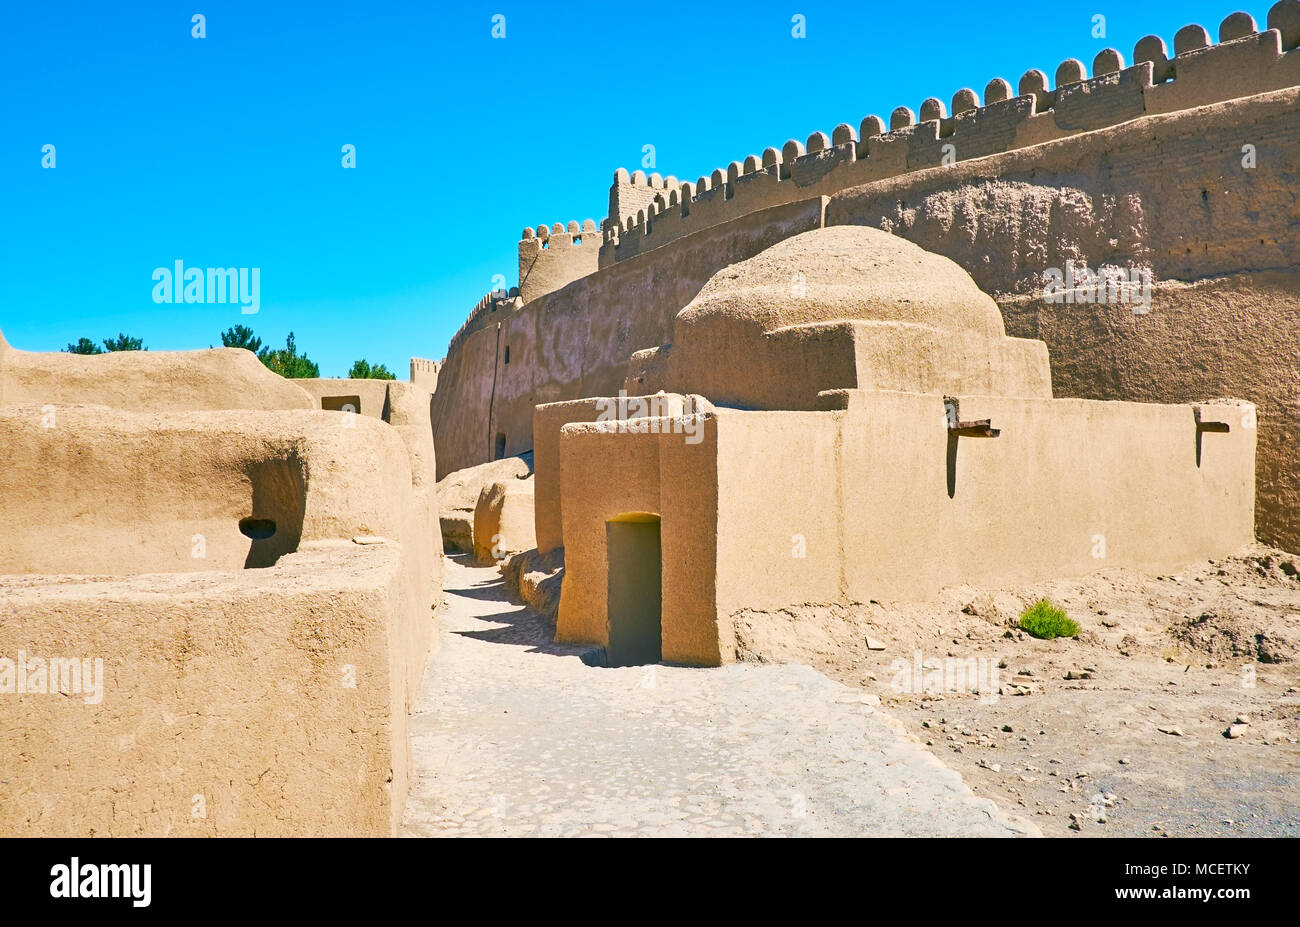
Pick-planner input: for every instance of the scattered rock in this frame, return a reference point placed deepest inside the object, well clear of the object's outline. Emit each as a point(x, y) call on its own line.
point(1173, 731)
point(874, 644)
point(1235, 730)
point(1223, 634)
point(1016, 690)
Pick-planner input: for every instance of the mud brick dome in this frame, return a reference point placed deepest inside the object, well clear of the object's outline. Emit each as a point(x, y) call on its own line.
point(847, 307)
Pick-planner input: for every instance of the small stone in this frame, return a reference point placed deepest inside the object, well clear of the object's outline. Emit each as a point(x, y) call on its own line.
point(1242, 719)
point(1172, 731)
point(1235, 730)
point(1006, 728)
point(367, 539)
point(873, 644)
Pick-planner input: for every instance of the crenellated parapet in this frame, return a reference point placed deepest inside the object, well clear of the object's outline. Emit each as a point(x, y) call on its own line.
point(424, 373)
point(491, 307)
point(647, 212)
point(632, 193)
point(550, 257)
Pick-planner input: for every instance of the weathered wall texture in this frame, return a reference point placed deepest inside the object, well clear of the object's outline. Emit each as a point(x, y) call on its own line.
point(1143, 167)
point(268, 673)
point(424, 373)
point(226, 659)
point(1029, 503)
point(549, 420)
point(551, 258)
point(146, 381)
point(846, 308)
point(576, 341)
point(660, 474)
point(224, 711)
point(1169, 194)
point(1200, 73)
point(777, 509)
point(633, 194)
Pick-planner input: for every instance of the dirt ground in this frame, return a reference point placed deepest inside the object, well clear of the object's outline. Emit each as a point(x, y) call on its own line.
point(1121, 731)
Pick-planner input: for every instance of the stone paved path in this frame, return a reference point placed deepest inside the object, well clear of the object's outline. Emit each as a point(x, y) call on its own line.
point(514, 735)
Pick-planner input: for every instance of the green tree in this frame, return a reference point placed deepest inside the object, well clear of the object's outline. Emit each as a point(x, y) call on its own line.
point(241, 336)
point(124, 343)
point(84, 346)
point(361, 370)
point(287, 362)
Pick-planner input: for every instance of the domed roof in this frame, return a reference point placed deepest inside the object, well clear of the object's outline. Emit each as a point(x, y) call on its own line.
point(840, 273)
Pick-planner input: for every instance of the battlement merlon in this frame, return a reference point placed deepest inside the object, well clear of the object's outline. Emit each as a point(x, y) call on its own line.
point(630, 193)
point(550, 258)
point(648, 211)
point(1245, 62)
point(483, 312)
point(424, 373)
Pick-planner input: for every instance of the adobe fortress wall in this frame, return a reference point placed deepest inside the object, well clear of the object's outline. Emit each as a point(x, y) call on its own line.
point(576, 341)
point(1200, 73)
point(1182, 165)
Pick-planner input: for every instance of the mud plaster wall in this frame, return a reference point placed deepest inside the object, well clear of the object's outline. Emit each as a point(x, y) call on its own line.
point(660, 474)
point(226, 679)
point(1169, 193)
point(576, 341)
point(1199, 74)
point(886, 527)
point(549, 260)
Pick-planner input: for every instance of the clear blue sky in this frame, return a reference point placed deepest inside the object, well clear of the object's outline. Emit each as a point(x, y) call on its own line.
point(225, 151)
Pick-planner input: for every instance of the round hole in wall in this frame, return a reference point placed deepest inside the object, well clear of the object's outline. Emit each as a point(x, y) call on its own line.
point(257, 529)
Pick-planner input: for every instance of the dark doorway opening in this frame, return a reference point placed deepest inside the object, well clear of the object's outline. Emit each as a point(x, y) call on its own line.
point(635, 595)
point(500, 450)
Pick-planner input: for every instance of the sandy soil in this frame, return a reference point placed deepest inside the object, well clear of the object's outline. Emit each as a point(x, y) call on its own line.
point(1121, 731)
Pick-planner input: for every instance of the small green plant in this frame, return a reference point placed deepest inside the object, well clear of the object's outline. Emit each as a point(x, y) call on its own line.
point(1045, 621)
